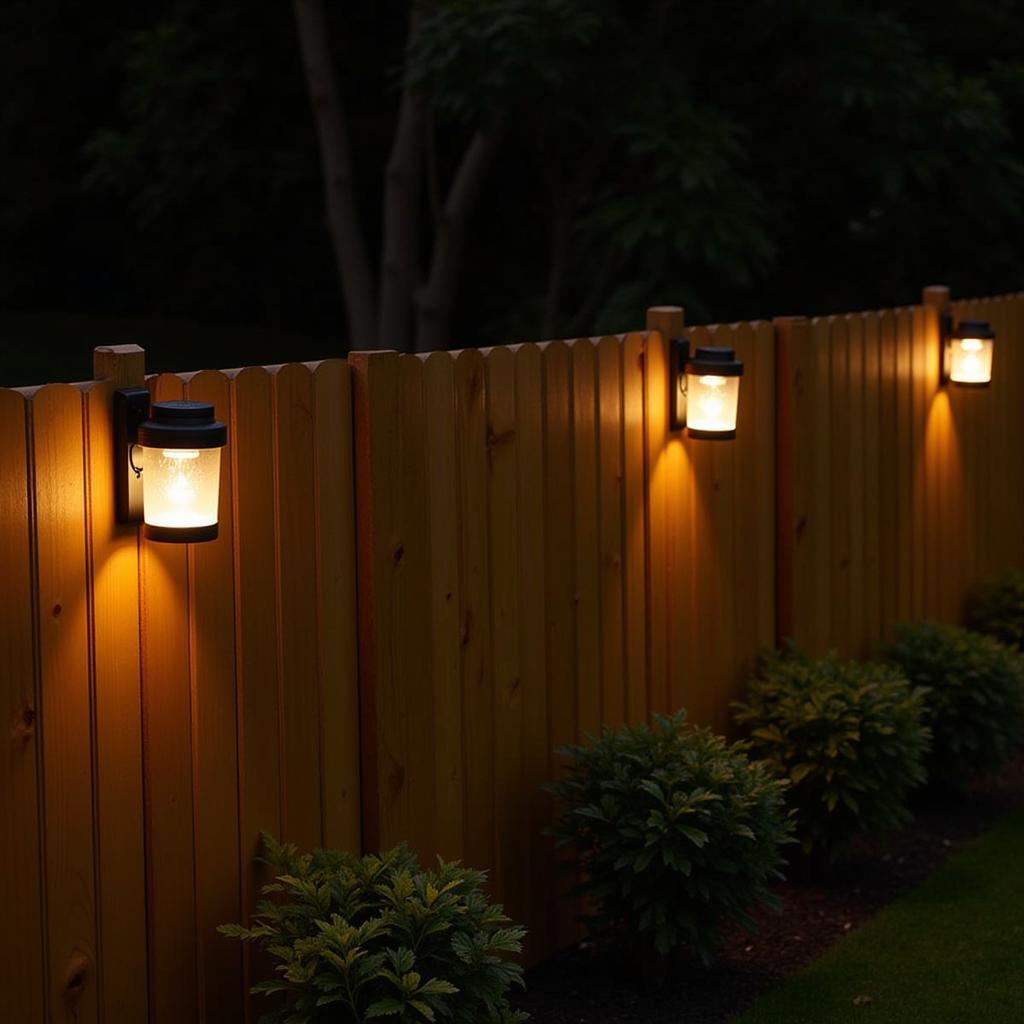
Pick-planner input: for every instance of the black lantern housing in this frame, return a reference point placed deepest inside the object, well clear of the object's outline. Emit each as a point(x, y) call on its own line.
point(173, 451)
point(967, 352)
point(703, 390)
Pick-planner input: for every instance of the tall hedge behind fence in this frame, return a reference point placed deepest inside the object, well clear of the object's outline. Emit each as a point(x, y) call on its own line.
point(527, 553)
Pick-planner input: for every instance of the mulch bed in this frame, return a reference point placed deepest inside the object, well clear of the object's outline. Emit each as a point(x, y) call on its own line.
point(593, 985)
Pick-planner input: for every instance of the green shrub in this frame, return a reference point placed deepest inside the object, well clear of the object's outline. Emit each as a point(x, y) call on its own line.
point(357, 939)
point(849, 737)
point(975, 697)
point(996, 608)
point(676, 833)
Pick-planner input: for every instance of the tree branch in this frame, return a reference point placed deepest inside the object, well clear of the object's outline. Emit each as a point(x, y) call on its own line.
point(357, 284)
point(400, 253)
point(435, 299)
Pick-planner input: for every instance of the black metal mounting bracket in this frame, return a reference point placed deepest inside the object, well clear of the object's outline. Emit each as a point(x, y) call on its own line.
point(131, 407)
point(678, 355)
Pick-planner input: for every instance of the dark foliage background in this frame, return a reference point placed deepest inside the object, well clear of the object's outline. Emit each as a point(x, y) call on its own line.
point(742, 158)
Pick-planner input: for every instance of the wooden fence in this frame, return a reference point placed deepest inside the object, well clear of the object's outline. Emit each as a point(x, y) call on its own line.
point(166, 703)
point(527, 553)
point(896, 495)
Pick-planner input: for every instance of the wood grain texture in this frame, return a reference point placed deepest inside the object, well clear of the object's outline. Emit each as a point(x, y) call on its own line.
point(114, 599)
point(298, 623)
point(256, 632)
point(167, 666)
point(541, 882)
point(218, 878)
point(511, 799)
point(634, 524)
point(336, 603)
point(478, 695)
point(445, 600)
point(586, 538)
point(66, 702)
point(23, 972)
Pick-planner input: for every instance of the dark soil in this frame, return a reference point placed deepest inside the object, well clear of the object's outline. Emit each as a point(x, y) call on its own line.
point(595, 985)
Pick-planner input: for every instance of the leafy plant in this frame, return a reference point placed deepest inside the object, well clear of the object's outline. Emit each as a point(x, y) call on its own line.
point(357, 939)
point(675, 830)
point(997, 608)
point(849, 738)
point(975, 699)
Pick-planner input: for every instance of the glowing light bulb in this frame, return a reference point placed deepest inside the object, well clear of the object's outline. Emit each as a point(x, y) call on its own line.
point(971, 361)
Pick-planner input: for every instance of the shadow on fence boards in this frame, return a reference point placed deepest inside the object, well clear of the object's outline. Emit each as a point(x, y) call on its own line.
point(431, 572)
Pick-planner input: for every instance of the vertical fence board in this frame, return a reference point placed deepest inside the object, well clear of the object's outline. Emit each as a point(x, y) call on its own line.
point(923, 600)
point(22, 963)
point(855, 467)
point(635, 527)
point(252, 528)
point(905, 467)
point(511, 802)
point(114, 550)
point(663, 323)
point(559, 552)
point(66, 703)
point(763, 452)
point(587, 594)
point(890, 454)
point(477, 662)
point(297, 611)
point(412, 590)
point(215, 738)
point(612, 556)
point(541, 886)
point(167, 739)
point(336, 600)
point(840, 496)
point(445, 598)
point(873, 440)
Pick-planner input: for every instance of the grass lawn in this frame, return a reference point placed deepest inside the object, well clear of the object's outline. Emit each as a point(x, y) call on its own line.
point(38, 348)
point(951, 952)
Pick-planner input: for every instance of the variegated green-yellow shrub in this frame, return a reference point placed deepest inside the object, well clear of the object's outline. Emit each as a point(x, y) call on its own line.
point(676, 833)
point(364, 939)
point(849, 737)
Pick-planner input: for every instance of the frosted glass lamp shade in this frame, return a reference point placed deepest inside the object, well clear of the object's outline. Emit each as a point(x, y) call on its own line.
point(970, 360)
point(180, 463)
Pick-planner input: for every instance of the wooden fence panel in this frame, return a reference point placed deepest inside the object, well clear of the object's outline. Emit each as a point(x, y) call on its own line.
point(215, 739)
point(538, 555)
point(23, 974)
point(142, 683)
point(62, 610)
point(114, 553)
point(520, 485)
point(167, 700)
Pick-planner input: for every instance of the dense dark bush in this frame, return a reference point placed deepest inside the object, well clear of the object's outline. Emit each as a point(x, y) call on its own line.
point(675, 830)
point(975, 699)
point(849, 738)
point(996, 608)
point(356, 939)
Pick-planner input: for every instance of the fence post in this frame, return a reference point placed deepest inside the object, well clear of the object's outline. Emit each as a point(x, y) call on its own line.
point(935, 296)
point(791, 335)
point(667, 322)
point(123, 365)
point(118, 703)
